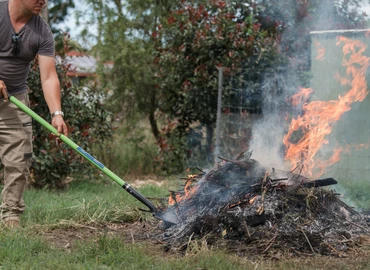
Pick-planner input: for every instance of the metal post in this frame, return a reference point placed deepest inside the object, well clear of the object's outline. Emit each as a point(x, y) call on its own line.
point(218, 119)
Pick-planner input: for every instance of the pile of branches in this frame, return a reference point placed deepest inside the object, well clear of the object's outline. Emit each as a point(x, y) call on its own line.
point(250, 210)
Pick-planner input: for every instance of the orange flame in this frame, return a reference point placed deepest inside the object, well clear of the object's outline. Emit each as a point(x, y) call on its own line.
point(172, 200)
point(302, 96)
point(341, 80)
point(251, 201)
point(320, 50)
point(319, 116)
point(189, 190)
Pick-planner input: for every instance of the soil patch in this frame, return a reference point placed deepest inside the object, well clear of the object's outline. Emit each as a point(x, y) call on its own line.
point(67, 236)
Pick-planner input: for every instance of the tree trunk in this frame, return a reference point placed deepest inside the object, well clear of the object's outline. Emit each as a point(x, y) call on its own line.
point(152, 120)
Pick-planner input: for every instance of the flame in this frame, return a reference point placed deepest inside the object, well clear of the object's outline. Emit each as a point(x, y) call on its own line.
point(320, 50)
point(319, 116)
point(341, 80)
point(189, 190)
point(174, 198)
point(302, 96)
point(251, 201)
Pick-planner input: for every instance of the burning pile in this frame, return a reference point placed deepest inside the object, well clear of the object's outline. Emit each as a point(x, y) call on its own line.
point(241, 204)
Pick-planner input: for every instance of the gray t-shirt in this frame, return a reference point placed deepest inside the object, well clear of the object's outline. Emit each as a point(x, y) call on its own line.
point(35, 38)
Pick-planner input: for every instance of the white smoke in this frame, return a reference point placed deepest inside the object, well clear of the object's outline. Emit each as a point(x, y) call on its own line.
point(269, 131)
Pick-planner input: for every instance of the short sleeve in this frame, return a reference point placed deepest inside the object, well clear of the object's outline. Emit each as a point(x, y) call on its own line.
point(47, 44)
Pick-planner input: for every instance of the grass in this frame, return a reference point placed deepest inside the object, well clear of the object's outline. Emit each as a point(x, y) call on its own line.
point(356, 193)
point(22, 250)
point(86, 201)
point(68, 215)
point(132, 150)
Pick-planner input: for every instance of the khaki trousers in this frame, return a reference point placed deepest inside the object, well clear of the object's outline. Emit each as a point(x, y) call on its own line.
point(15, 154)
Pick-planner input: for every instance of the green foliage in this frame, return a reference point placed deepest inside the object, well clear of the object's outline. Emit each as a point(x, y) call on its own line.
point(89, 124)
point(198, 40)
point(126, 32)
point(58, 10)
point(193, 43)
point(171, 158)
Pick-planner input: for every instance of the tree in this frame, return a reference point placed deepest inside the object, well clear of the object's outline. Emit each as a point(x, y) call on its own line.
point(54, 13)
point(57, 12)
point(123, 38)
point(197, 40)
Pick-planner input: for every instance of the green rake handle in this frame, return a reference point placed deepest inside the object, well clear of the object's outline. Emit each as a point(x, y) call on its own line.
point(84, 154)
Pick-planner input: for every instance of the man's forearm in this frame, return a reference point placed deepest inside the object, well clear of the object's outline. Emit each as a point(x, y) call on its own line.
point(52, 95)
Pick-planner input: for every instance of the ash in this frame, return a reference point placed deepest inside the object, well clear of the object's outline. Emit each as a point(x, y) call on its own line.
point(245, 208)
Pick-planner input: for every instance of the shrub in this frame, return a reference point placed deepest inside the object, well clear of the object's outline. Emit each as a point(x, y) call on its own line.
point(88, 120)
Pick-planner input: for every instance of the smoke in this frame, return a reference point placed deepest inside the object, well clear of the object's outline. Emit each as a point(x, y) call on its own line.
point(279, 85)
point(291, 71)
point(268, 132)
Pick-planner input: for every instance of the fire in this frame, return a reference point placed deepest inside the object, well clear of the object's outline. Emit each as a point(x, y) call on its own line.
point(319, 116)
point(320, 51)
point(302, 96)
point(343, 81)
point(189, 190)
point(251, 201)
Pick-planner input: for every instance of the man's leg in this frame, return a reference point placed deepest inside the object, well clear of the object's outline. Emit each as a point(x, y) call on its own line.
point(16, 154)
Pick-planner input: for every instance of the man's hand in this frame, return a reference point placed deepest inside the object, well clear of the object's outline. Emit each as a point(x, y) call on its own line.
point(58, 123)
point(3, 92)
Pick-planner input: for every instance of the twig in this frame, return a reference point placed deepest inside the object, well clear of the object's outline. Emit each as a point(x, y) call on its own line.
point(336, 252)
point(308, 241)
point(133, 239)
point(241, 163)
point(188, 243)
point(199, 169)
point(261, 209)
point(271, 180)
point(159, 241)
point(265, 178)
point(294, 169)
point(359, 226)
point(271, 242)
point(246, 227)
point(327, 262)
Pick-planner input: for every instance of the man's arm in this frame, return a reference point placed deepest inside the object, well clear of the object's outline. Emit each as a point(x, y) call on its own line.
point(51, 88)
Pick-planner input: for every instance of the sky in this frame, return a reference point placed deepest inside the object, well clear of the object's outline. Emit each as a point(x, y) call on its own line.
point(70, 22)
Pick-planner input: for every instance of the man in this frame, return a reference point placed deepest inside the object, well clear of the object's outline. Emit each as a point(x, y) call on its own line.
point(23, 35)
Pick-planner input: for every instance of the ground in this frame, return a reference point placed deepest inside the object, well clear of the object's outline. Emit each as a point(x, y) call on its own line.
point(141, 232)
